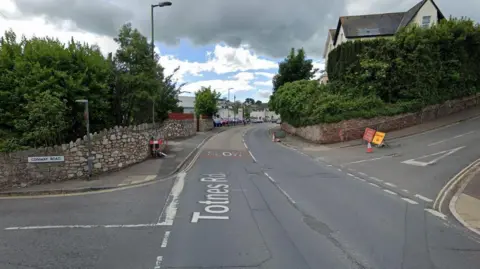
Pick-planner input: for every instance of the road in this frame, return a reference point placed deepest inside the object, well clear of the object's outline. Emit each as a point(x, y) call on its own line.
point(245, 202)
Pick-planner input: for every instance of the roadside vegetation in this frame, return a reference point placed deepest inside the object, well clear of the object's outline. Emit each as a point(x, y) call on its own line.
point(40, 79)
point(385, 77)
point(206, 102)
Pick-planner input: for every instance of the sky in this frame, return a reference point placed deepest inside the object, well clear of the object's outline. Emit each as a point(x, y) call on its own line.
point(219, 43)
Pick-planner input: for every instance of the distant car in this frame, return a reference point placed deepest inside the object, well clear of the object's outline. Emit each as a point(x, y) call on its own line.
point(279, 121)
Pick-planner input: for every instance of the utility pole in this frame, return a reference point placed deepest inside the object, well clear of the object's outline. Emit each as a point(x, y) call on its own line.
point(89, 143)
point(161, 4)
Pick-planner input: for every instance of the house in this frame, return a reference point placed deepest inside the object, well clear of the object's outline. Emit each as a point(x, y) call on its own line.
point(361, 27)
point(188, 103)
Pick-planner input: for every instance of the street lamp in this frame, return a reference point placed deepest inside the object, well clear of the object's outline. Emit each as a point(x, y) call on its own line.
point(89, 144)
point(161, 4)
point(228, 104)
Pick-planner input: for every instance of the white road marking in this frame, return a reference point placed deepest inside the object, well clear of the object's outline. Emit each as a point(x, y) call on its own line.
point(376, 179)
point(165, 239)
point(158, 262)
point(443, 154)
point(350, 175)
point(329, 165)
point(389, 191)
point(410, 201)
point(339, 170)
point(423, 198)
point(245, 145)
point(47, 227)
point(255, 160)
point(373, 184)
point(361, 179)
point(390, 184)
point(368, 160)
point(363, 174)
point(448, 139)
point(405, 190)
point(269, 177)
point(286, 194)
point(436, 213)
point(168, 213)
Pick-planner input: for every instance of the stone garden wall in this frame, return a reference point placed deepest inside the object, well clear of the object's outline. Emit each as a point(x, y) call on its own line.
point(354, 128)
point(112, 149)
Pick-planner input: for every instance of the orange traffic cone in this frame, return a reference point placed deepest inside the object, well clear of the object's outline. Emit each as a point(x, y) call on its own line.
point(369, 148)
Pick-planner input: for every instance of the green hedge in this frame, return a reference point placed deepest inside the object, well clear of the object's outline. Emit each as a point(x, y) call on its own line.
point(384, 77)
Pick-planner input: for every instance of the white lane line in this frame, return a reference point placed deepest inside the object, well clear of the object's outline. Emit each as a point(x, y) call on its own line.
point(423, 198)
point(368, 160)
point(363, 174)
point(245, 145)
point(329, 165)
point(255, 160)
point(158, 262)
point(350, 175)
point(270, 178)
point(376, 179)
point(410, 201)
point(47, 227)
point(405, 190)
point(448, 139)
point(389, 191)
point(436, 213)
point(373, 184)
point(339, 170)
point(168, 213)
point(390, 184)
point(165, 239)
point(361, 179)
point(286, 194)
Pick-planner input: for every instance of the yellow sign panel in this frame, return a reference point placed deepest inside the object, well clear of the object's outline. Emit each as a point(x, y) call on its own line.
point(378, 138)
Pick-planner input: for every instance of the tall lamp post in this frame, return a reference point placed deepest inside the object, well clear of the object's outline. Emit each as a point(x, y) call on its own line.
point(160, 4)
point(228, 104)
point(89, 144)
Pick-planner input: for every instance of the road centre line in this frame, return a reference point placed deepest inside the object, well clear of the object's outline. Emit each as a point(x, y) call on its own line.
point(165, 239)
point(361, 179)
point(376, 179)
point(269, 177)
point(423, 198)
point(410, 201)
point(363, 174)
point(389, 191)
point(245, 145)
point(49, 227)
point(451, 138)
point(373, 184)
point(350, 175)
point(286, 194)
point(390, 184)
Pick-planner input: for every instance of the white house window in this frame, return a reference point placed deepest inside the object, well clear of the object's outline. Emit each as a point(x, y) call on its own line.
point(426, 21)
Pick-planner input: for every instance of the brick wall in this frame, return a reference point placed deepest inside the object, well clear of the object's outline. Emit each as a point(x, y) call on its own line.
point(354, 128)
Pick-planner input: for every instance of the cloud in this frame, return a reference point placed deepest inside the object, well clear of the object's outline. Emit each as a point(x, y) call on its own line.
point(263, 83)
point(263, 95)
point(269, 27)
point(221, 60)
point(265, 74)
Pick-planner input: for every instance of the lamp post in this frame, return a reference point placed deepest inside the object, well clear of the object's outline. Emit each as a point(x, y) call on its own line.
point(89, 144)
point(228, 104)
point(161, 4)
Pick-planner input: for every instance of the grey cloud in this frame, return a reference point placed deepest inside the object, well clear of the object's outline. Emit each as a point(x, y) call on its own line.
point(270, 27)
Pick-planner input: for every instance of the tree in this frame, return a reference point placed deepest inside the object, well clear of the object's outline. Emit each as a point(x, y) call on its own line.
point(294, 67)
point(249, 101)
point(236, 106)
point(206, 101)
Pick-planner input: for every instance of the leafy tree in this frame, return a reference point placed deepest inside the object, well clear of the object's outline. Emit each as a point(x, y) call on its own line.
point(294, 67)
point(206, 101)
point(236, 106)
point(249, 101)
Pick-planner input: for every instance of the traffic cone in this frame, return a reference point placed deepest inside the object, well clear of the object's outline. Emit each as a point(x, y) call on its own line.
point(369, 148)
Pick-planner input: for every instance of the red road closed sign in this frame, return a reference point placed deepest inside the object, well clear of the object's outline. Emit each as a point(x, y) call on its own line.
point(369, 134)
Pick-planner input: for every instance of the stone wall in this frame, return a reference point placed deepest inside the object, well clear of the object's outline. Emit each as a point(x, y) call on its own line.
point(354, 128)
point(111, 149)
point(206, 124)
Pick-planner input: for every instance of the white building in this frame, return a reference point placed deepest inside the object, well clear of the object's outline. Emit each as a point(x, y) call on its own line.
point(424, 14)
point(264, 114)
point(188, 103)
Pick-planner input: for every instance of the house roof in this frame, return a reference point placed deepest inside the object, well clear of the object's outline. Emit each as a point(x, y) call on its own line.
point(411, 13)
point(385, 24)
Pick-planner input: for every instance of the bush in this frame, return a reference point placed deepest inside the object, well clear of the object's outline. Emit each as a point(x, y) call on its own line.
point(385, 77)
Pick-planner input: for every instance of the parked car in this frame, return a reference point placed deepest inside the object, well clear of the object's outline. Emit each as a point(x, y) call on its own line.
point(279, 121)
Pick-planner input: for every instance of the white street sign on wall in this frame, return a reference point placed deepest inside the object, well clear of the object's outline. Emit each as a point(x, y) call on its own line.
point(46, 159)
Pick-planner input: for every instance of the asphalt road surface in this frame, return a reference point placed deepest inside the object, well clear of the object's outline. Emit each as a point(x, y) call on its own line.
point(246, 202)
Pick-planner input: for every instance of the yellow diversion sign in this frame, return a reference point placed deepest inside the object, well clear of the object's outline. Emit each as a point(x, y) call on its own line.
point(378, 138)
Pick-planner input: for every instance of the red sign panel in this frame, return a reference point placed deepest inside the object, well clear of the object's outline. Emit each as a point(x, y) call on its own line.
point(369, 134)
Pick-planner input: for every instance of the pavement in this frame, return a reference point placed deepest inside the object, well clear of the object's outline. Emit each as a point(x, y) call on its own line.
point(179, 150)
point(242, 201)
